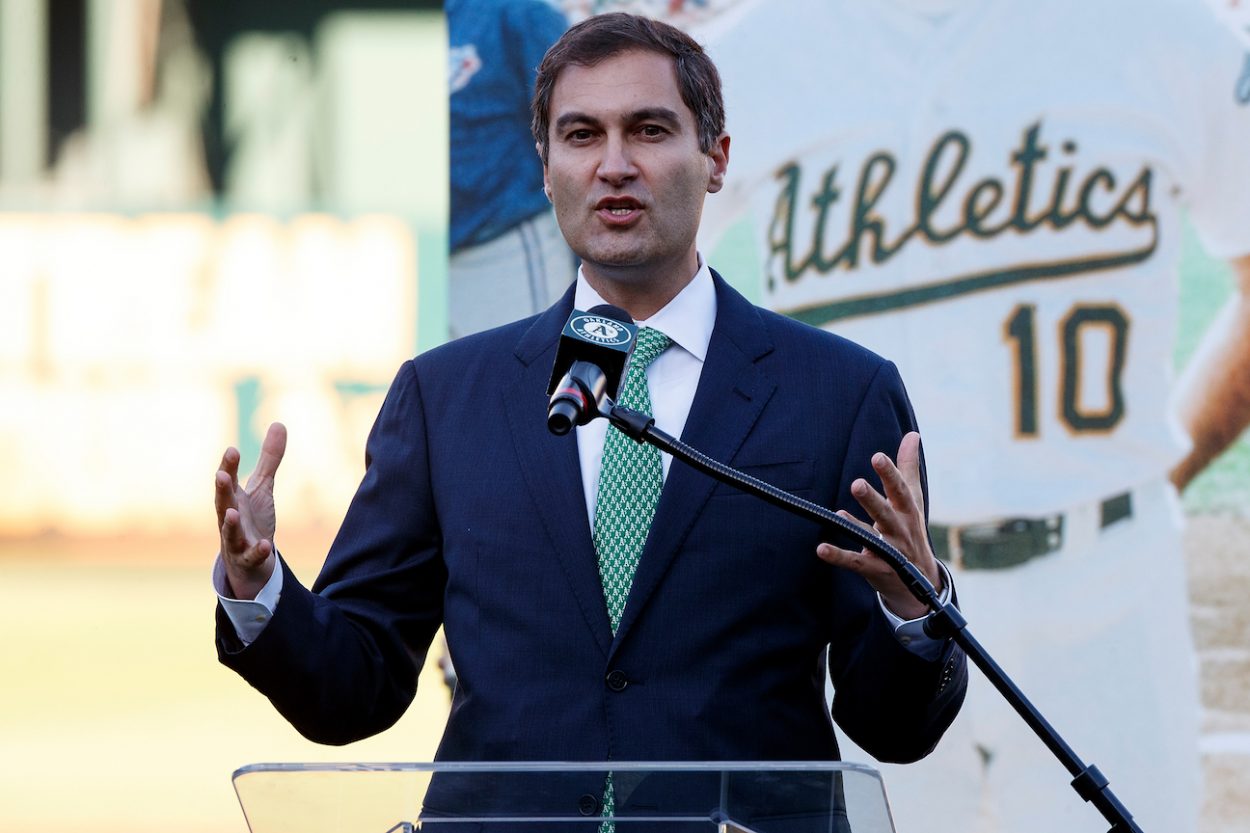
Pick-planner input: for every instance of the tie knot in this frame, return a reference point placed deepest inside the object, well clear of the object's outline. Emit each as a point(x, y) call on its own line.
point(651, 343)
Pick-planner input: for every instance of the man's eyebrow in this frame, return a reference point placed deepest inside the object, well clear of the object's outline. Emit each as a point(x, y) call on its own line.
point(660, 114)
point(569, 119)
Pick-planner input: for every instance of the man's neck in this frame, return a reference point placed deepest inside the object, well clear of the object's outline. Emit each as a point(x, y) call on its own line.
point(641, 294)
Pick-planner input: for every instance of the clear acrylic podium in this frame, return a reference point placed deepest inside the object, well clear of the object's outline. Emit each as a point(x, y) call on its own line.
point(739, 797)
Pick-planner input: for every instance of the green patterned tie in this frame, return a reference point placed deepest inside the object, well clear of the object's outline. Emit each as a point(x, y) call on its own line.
point(629, 485)
point(630, 480)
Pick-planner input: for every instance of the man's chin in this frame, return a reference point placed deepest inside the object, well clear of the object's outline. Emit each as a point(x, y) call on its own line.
point(615, 258)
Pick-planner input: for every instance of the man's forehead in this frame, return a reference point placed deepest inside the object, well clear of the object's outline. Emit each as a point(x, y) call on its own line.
point(627, 82)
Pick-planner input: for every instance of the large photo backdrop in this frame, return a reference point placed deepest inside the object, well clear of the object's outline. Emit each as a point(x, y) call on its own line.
point(1039, 213)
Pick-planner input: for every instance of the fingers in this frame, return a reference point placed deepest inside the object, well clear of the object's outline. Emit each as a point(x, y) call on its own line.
point(903, 499)
point(838, 557)
point(236, 546)
point(233, 541)
point(223, 495)
point(898, 490)
point(271, 452)
point(876, 571)
point(897, 514)
point(909, 464)
point(873, 569)
point(245, 519)
point(225, 484)
point(847, 516)
point(857, 560)
point(230, 465)
point(889, 512)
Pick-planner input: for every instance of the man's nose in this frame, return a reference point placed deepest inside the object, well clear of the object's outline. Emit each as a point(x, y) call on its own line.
point(617, 163)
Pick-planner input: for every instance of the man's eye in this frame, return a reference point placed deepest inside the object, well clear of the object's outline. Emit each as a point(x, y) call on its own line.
point(579, 136)
point(652, 130)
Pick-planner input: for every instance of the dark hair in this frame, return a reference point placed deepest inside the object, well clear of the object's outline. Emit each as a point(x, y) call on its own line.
point(606, 35)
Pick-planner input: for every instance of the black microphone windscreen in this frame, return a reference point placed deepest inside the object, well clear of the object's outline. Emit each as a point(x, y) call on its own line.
point(603, 336)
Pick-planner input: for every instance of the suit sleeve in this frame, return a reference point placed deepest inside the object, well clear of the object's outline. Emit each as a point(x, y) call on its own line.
point(340, 661)
point(893, 703)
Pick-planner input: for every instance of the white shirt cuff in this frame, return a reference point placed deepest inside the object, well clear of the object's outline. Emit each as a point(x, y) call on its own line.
point(249, 617)
point(910, 632)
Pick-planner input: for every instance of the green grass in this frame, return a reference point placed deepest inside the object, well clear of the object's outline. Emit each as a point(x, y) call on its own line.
point(115, 715)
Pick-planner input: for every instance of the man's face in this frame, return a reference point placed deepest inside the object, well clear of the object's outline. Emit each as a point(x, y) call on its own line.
point(626, 174)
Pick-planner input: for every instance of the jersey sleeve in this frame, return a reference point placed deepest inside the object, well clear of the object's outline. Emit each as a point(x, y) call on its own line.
point(1219, 197)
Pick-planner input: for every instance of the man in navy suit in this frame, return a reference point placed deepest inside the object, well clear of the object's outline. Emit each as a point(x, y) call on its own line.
point(471, 515)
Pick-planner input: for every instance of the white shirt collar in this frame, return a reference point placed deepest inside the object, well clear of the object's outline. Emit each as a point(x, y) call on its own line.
point(688, 319)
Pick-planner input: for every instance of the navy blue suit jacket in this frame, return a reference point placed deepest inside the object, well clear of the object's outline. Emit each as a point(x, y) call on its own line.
point(471, 515)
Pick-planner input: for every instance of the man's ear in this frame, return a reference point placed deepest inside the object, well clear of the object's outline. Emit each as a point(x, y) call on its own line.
point(718, 163)
point(546, 182)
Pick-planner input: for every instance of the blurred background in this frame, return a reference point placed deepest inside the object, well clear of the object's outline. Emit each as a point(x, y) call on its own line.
point(217, 214)
point(211, 213)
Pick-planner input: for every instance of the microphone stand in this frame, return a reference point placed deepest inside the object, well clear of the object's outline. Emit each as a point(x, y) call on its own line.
point(944, 622)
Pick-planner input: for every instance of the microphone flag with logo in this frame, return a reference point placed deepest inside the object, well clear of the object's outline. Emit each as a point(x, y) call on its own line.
point(590, 362)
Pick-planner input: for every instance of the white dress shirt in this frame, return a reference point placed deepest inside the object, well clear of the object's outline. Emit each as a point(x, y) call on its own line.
point(671, 379)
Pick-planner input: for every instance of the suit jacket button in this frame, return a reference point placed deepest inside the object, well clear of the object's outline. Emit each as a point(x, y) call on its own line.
point(588, 805)
point(617, 680)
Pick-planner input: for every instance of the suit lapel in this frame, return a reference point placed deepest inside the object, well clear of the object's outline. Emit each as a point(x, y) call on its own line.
point(731, 395)
point(552, 471)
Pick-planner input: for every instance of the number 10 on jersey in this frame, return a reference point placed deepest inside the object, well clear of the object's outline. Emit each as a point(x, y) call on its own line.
point(1081, 323)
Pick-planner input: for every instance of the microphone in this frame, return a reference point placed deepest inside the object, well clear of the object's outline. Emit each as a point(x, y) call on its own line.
point(590, 361)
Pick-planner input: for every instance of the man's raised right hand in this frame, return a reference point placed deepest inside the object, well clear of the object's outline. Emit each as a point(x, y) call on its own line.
point(246, 517)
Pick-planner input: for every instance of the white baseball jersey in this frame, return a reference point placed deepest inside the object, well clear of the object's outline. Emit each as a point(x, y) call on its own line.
point(1003, 222)
point(1236, 14)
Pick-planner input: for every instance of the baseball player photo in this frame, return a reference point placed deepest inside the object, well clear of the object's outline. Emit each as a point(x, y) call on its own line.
point(992, 195)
